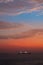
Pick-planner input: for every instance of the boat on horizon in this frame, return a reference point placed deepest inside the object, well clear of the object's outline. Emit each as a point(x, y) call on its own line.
point(24, 52)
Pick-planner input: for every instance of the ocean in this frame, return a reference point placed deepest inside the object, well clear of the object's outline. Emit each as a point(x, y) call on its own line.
point(21, 59)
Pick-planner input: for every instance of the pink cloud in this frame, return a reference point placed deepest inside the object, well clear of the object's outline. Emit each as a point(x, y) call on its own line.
point(27, 34)
point(16, 7)
point(39, 1)
point(19, 30)
point(9, 25)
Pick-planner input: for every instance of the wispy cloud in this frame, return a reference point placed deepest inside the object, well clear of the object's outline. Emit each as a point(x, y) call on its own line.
point(18, 30)
point(9, 25)
point(11, 30)
point(6, 1)
point(39, 1)
point(26, 34)
point(16, 7)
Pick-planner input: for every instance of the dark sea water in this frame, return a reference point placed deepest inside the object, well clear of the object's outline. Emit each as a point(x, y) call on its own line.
point(21, 59)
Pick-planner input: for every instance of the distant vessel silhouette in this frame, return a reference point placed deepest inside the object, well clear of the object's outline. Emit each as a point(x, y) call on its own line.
point(24, 52)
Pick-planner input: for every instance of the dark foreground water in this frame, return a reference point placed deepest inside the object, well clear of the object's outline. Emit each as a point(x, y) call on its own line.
point(21, 59)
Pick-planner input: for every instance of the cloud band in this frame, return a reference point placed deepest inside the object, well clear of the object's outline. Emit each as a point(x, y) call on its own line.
point(16, 7)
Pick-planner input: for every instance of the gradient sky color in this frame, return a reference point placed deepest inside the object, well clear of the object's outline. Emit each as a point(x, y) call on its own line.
point(21, 25)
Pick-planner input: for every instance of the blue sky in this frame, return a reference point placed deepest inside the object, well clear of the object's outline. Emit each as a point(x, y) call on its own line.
point(27, 17)
point(30, 11)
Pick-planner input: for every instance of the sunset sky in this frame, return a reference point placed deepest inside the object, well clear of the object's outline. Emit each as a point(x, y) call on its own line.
point(21, 25)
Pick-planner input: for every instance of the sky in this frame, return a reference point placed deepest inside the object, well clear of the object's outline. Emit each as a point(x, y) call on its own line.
point(21, 25)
